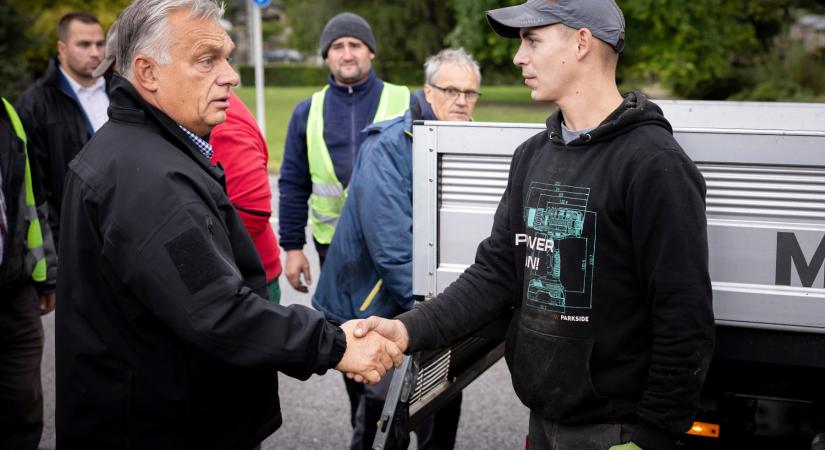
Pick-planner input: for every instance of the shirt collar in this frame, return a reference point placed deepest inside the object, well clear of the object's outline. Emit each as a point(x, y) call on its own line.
point(204, 147)
point(100, 83)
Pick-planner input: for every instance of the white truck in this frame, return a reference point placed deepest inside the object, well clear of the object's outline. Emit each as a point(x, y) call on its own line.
point(764, 165)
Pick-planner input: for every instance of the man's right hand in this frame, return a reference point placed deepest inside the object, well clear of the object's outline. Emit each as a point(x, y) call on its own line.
point(368, 357)
point(392, 329)
point(297, 265)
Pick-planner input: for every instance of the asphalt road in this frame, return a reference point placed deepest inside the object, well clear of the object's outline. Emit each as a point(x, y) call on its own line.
point(316, 412)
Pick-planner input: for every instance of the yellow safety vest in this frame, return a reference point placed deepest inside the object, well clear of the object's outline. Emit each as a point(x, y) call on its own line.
point(34, 235)
point(328, 194)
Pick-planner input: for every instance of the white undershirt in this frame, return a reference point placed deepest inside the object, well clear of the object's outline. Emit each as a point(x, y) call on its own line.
point(93, 100)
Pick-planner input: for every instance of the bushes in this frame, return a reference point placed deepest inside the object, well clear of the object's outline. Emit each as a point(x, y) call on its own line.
point(786, 73)
point(410, 74)
point(286, 75)
point(306, 75)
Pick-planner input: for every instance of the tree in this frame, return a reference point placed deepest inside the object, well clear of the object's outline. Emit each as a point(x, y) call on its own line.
point(13, 42)
point(494, 54)
point(406, 31)
point(42, 33)
point(696, 48)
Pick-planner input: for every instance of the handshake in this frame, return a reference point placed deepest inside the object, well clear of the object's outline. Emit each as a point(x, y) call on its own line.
point(374, 346)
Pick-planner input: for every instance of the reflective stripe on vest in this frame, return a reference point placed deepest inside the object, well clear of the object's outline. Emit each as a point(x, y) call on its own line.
point(328, 194)
point(34, 235)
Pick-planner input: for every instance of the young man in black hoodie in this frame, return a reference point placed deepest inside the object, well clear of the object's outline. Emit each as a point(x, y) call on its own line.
point(599, 245)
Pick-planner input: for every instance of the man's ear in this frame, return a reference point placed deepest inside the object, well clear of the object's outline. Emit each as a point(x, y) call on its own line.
point(584, 42)
point(428, 93)
point(145, 71)
point(61, 47)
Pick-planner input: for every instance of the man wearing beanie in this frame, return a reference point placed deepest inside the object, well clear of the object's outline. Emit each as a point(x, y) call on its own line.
point(598, 247)
point(323, 137)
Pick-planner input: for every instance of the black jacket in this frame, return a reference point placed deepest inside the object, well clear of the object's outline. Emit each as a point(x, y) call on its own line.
point(57, 128)
point(601, 246)
point(165, 338)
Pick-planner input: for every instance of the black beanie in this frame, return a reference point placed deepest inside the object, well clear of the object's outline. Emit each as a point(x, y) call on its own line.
point(346, 25)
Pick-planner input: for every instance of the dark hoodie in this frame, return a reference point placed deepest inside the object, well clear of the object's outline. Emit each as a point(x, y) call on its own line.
point(600, 245)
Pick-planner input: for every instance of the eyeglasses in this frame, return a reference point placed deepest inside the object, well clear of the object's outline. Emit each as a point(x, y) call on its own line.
point(453, 93)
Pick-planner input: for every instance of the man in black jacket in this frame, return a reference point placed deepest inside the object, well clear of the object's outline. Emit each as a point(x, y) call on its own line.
point(599, 245)
point(65, 107)
point(28, 270)
point(165, 337)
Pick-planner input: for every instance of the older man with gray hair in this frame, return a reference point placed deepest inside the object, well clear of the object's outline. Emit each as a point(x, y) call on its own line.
point(369, 263)
point(165, 337)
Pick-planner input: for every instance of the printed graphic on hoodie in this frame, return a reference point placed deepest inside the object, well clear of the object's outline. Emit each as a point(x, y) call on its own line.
point(561, 247)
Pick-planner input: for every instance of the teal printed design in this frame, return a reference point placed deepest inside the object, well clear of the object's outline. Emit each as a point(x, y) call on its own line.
point(561, 242)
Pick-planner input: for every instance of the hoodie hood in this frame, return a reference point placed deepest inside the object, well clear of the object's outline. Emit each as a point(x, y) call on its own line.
point(421, 108)
point(636, 110)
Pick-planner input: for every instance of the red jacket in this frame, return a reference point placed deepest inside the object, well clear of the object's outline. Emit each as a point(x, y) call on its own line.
point(241, 149)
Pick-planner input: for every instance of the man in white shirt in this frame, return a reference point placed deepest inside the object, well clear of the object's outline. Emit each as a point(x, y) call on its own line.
point(65, 107)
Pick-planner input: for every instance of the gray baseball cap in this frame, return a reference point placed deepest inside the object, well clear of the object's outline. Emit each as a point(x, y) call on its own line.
point(109, 51)
point(602, 17)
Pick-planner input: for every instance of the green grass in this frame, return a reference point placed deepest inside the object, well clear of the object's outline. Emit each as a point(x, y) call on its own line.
point(497, 104)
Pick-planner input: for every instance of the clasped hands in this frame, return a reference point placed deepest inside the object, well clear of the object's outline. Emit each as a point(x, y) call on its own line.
point(374, 346)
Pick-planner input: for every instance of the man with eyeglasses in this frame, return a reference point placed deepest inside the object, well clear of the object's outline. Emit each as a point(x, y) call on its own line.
point(369, 263)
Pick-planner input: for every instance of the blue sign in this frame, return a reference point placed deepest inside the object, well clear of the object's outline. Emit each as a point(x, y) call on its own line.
point(262, 3)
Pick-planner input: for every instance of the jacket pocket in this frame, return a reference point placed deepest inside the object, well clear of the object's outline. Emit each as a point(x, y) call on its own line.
point(551, 374)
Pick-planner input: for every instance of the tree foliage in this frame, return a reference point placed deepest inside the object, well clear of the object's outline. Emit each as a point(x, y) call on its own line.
point(494, 54)
point(696, 48)
point(13, 42)
point(42, 34)
point(406, 31)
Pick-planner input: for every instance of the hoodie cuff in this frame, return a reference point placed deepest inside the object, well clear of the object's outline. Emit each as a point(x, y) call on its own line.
point(651, 438)
point(46, 287)
point(417, 325)
point(292, 246)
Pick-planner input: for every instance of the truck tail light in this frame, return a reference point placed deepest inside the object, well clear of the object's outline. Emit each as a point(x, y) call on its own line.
point(704, 429)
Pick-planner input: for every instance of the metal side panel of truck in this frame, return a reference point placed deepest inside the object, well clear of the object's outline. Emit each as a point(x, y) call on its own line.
point(764, 165)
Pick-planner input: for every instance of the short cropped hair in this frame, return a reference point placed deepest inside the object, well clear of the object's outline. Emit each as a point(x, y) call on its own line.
point(143, 28)
point(66, 21)
point(453, 56)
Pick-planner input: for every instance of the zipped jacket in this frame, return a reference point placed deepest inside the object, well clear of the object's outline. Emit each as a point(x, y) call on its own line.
point(164, 334)
point(347, 111)
point(57, 128)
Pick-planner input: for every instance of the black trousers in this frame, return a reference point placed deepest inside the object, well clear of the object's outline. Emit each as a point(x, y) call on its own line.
point(366, 403)
point(547, 435)
point(21, 349)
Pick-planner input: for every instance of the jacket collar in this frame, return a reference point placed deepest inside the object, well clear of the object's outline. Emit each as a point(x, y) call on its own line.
point(361, 87)
point(55, 78)
point(381, 126)
point(422, 110)
point(128, 106)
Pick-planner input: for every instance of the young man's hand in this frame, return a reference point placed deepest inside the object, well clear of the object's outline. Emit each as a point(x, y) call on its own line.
point(391, 329)
point(369, 356)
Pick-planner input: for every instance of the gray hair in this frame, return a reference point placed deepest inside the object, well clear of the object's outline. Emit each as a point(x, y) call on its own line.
point(449, 56)
point(143, 28)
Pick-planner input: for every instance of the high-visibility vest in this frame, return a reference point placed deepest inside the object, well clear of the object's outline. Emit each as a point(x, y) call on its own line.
point(34, 235)
point(328, 194)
